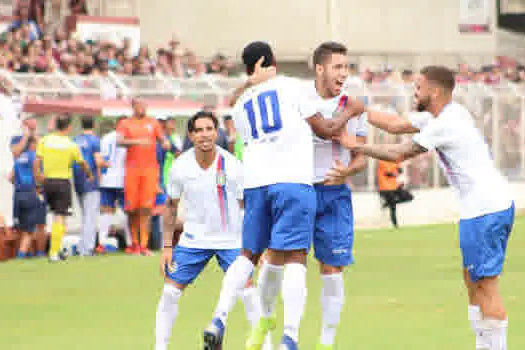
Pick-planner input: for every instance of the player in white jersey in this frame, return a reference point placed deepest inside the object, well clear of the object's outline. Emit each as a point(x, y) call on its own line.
point(275, 123)
point(111, 185)
point(334, 224)
point(486, 207)
point(210, 181)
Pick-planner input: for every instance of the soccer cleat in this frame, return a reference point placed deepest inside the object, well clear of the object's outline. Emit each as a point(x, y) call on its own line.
point(259, 332)
point(288, 343)
point(100, 250)
point(145, 252)
point(214, 335)
point(54, 258)
point(324, 347)
point(129, 250)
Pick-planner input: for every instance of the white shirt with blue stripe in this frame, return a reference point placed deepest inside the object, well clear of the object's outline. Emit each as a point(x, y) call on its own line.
point(327, 151)
point(213, 216)
point(113, 176)
point(465, 157)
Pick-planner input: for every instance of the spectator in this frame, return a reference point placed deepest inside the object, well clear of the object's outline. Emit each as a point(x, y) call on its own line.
point(78, 7)
point(22, 20)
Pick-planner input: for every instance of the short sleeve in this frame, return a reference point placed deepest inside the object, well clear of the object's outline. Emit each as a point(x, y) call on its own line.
point(104, 149)
point(75, 154)
point(419, 119)
point(432, 136)
point(15, 140)
point(158, 129)
point(174, 183)
point(40, 148)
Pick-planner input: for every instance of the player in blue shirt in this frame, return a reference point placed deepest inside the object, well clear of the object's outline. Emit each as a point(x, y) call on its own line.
point(88, 192)
point(160, 201)
point(29, 206)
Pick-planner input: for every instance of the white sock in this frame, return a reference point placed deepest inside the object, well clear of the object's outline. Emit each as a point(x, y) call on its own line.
point(332, 301)
point(232, 285)
point(475, 317)
point(294, 298)
point(494, 333)
point(270, 281)
point(252, 305)
point(104, 226)
point(166, 314)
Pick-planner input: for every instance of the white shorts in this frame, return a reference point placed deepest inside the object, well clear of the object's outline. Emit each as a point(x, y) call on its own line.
point(6, 204)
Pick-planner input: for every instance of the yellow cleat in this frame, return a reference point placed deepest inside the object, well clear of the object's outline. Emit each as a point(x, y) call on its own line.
point(259, 332)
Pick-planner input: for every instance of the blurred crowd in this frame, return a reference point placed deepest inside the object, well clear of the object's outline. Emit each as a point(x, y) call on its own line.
point(27, 46)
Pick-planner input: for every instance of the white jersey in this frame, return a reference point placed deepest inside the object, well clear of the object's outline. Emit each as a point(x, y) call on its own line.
point(212, 211)
point(327, 151)
point(278, 146)
point(113, 176)
point(465, 156)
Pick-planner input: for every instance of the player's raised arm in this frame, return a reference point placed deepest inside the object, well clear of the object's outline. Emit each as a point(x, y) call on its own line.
point(390, 122)
point(328, 128)
point(259, 75)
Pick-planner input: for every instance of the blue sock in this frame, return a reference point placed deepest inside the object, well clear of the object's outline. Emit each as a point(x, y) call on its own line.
point(40, 253)
point(21, 255)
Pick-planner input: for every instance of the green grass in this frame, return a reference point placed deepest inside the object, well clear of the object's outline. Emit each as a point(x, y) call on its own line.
point(405, 292)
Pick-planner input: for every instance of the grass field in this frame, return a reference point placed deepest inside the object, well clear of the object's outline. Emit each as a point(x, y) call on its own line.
point(404, 292)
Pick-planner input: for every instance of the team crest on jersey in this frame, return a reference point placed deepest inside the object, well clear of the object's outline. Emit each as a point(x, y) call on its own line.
point(221, 179)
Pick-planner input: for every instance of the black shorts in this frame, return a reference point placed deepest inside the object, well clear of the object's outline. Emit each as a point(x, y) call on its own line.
point(29, 210)
point(58, 196)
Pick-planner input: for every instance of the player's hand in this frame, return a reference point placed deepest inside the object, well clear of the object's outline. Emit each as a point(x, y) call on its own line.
point(346, 140)
point(337, 175)
point(355, 107)
point(90, 177)
point(166, 261)
point(260, 73)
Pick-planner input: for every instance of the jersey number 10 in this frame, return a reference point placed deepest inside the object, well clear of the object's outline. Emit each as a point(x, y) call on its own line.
point(263, 100)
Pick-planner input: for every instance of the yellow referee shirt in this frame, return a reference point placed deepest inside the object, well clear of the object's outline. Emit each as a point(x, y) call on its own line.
point(58, 154)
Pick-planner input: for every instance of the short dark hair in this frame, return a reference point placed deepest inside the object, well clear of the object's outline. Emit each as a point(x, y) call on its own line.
point(202, 115)
point(63, 122)
point(87, 123)
point(440, 75)
point(227, 117)
point(253, 52)
point(326, 50)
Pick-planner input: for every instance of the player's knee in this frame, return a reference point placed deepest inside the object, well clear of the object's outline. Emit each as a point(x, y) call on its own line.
point(330, 270)
point(295, 257)
point(254, 258)
point(107, 210)
point(175, 284)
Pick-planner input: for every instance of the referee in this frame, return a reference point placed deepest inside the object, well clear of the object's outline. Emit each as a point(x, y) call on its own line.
point(56, 154)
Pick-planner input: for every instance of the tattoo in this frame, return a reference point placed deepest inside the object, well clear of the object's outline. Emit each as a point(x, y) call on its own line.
point(393, 153)
point(170, 220)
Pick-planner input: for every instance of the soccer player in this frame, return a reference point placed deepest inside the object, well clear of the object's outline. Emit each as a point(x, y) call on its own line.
point(160, 200)
point(56, 154)
point(111, 185)
point(334, 224)
point(29, 205)
point(275, 122)
point(88, 192)
point(140, 135)
point(210, 180)
point(486, 207)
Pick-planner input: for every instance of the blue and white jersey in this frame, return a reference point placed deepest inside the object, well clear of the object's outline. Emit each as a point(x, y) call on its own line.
point(278, 146)
point(327, 151)
point(113, 176)
point(24, 178)
point(466, 159)
point(212, 214)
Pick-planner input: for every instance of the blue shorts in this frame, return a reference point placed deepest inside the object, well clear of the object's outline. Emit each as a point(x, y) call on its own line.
point(188, 263)
point(279, 217)
point(29, 210)
point(110, 197)
point(483, 242)
point(334, 225)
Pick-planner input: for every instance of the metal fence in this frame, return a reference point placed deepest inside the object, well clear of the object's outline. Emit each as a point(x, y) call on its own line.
point(499, 112)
